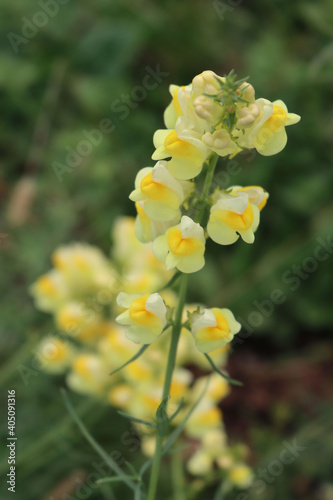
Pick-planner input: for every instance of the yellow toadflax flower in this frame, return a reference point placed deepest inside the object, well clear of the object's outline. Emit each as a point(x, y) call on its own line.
point(267, 133)
point(160, 193)
point(54, 354)
point(145, 316)
point(184, 146)
point(182, 246)
point(50, 291)
point(146, 229)
point(89, 374)
point(214, 328)
point(236, 213)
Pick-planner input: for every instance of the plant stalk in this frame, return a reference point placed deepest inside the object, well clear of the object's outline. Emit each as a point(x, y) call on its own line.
point(167, 382)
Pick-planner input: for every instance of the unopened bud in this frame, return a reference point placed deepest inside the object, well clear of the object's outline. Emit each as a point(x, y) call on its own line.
point(248, 93)
point(206, 83)
point(247, 115)
point(207, 109)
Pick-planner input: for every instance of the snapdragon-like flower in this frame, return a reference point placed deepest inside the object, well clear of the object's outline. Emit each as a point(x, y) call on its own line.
point(236, 213)
point(50, 291)
point(267, 132)
point(159, 192)
point(214, 328)
point(147, 229)
point(89, 374)
point(55, 354)
point(145, 316)
point(182, 246)
point(184, 146)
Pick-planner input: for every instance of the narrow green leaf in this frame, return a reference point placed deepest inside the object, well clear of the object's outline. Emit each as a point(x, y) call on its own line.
point(223, 375)
point(101, 452)
point(136, 420)
point(162, 417)
point(177, 411)
point(114, 479)
point(136, 356)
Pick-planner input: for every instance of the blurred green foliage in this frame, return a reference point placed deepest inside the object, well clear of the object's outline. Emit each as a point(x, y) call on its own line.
point(66, 79)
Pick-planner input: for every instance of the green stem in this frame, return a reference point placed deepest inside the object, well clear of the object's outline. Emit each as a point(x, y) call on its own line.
point(177, 470)
point(176, 332)
point(167, 383)
point(206, 187)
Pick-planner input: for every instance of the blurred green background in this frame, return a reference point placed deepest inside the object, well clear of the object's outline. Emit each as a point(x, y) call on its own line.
point(64, 77)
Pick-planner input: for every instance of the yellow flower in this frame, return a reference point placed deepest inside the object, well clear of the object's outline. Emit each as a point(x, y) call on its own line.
point(241, 475)
point(212, 445)
point(159, 192)
point(115, 348)
point(121, 395)
point(89, 374)
point(257, 195)
point(145, 316)
point(179, 105)
point(183, 144)
point(267, 133)
point(233, 215)
point(218, 388)
point(49, 291)
point(54, 354)
point(206, 417)
point(182, 246)
point(146, 229)
point(214, 328)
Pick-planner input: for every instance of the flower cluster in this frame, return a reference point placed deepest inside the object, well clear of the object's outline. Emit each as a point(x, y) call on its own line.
point(179, 206)
point(85, 353)
point(213, 116)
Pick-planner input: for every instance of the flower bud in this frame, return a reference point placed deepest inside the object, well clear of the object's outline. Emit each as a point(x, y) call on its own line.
point(206, 83)
point(220, 142)
point(207, 109)
point(247, 115)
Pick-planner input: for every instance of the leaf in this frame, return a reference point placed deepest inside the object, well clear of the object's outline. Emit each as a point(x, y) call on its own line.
point(136, 420)
point(230, 380)
point(114, 479)
point(136, 356)
point(162, 417)
point(101, 452)
point(177, 411)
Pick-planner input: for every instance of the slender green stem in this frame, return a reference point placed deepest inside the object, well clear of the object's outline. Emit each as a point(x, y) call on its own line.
point(177, 470)
point(206, 187)
point(167, 383)
point(176, 332)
